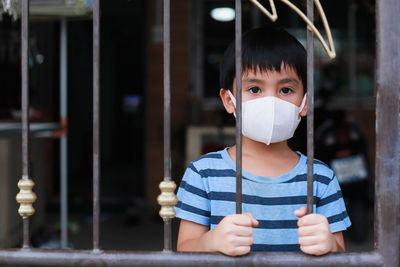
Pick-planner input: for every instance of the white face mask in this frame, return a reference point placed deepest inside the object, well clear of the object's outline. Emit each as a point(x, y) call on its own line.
point(269, 119)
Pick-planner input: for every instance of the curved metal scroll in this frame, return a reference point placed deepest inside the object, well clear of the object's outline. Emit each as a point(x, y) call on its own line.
point(329, 48)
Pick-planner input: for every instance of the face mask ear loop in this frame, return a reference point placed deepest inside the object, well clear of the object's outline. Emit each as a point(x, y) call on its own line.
point(302, 103)
point(301, 107)
point(233, 100)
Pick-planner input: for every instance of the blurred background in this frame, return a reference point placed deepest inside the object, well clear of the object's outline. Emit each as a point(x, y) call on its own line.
point(131, 84)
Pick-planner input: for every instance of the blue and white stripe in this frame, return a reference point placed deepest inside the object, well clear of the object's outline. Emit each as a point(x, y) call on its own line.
point(207, 194)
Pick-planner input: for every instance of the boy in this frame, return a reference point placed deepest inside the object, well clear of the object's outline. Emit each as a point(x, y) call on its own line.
point(274, 177)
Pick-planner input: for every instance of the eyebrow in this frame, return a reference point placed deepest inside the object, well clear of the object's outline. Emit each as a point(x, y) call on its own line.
point(289, 80)
point(253, 80)
point(282, 81)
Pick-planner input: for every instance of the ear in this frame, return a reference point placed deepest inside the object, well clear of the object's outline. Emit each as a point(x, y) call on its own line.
point(303, 112)
point(227, 101)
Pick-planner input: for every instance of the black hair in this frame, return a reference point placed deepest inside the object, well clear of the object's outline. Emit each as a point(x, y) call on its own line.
point(265, 49)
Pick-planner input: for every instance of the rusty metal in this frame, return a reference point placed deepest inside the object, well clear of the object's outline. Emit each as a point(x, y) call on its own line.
point(96, 124)
point(167, 92)
point(88, 258)
point(167, 114)
point(310, 110)
point(387, 207)
point(167, 236)
point(387, 203)
point(25, 87)
point(25, 105)
point(238, 69)
point(26, 236)
point(63, 133)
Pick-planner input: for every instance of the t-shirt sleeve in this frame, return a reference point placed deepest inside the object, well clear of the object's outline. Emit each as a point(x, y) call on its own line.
point(193, 201)
point(332, 206)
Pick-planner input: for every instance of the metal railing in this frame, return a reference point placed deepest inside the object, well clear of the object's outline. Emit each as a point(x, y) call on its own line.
point(387, 198)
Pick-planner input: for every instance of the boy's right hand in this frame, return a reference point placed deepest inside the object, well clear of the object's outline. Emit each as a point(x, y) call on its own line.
point(234, 234)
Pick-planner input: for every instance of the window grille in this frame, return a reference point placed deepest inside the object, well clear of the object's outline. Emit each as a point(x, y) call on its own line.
point(387, 198)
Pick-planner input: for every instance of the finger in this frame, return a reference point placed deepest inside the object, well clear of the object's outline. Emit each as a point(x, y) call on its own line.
point(243, 219)
point(300, 212)
point(243, 241)
point(308, 240)
point(240, 230)
point(313, 250)
point(312, 219)
point(253, 220)
point(306, 230)
point(241, 250)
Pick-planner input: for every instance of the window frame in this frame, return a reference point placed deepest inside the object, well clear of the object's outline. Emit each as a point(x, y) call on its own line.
point(387, 188)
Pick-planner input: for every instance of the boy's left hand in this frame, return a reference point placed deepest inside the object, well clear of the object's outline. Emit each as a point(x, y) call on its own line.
point(315, 236)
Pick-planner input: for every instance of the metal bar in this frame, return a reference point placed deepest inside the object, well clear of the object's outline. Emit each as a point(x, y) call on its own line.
point(25, 105)
point(88, 258)
point(167, 115)
point(63, 139)
point(387, 198)
point(26, 237)
point(310, 110)
point(96, 124)
point(238, 69)
point(167, 92)
point(167, 235)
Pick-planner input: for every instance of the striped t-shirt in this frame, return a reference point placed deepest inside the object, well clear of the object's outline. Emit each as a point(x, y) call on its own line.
point(207, 194)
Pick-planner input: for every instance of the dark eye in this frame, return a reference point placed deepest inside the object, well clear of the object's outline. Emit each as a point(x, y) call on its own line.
point(255, 90)
point(286, 90)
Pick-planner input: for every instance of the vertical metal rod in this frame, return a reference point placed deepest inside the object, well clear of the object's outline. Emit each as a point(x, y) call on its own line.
point(167, 115)
point(167, 93)
point(63, 138)
point(387, 202)
point(167, 235)
point(25, 88)
point(310, 110)
point(238, 68)
point(26, 237)
point(96, 124)
point(25, 105)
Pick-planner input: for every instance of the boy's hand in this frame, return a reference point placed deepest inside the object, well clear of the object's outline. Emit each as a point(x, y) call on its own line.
point(315, 236)
point(233, 235)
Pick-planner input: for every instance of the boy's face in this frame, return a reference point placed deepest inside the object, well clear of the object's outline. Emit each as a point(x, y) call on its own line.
point(285, 85)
